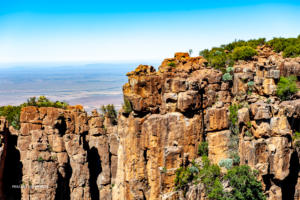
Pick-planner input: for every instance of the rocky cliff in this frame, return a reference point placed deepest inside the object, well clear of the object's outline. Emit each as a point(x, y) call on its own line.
point(67, 154)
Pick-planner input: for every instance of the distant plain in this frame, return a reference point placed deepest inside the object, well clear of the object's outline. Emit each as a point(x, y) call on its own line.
point(90, 85)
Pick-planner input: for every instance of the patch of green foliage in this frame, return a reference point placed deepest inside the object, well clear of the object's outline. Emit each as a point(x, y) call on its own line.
point(296, 135)
point(12, 113)
point(227, 163)
point(292, 51)
point(110, 111)
point(287, 87)
point(224, 56)
point(185, 175)
point(242, 181)
point(234, 137)
point(40, 159)
point(172, 64)
point(243, 53)
point(127, 106)
point(203, 149)
point(233, 114)
point(244, 184)
point(228, 75)
point(42, 101)
point(289, 46)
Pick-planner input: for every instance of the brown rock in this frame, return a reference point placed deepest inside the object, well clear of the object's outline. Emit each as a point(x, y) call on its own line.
point(218, 146)
point(216, 119)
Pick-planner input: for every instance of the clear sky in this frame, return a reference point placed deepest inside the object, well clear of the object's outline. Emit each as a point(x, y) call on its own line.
point(121, 31)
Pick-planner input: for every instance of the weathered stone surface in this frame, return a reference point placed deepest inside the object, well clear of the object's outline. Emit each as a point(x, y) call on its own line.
point(77, 156)
point(260, 111)
point(218, 145)
point(271, 154)
point(269, 86)
point(243, 116)
point(216, 119)
point(188, 101)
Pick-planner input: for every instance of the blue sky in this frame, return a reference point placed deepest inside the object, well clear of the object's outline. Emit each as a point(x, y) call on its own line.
point(125, 31)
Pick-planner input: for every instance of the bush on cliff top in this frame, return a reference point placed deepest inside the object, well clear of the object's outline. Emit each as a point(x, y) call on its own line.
point(287, 87)
point(42, 101)
point(225, 55)
point(12, 113)
point(243, 53)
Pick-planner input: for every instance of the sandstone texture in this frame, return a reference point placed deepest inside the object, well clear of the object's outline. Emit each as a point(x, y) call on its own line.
point(69, 154)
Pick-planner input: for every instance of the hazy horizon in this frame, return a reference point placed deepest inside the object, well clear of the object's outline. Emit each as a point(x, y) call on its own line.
point(90, 85)
point(101, 31)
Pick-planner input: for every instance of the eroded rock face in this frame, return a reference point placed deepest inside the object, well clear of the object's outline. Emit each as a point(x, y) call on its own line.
point(67, 154)
point(155, 138)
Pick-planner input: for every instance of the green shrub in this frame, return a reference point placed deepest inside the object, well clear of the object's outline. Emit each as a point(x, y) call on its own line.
point(110, 111)
point(227, 163)
point(243, 53)
point(217, 191)
point(42, 101)
point(172, 64)
point(242, 181)
point(225, 55)
point(183, 176)
point(296, 135)
point(12, 115)
point(203, 149)
point(227, 77)
point(244, 184)
point(208, 175)
point(292, 51)
point(278, 44)
point(233, 114)
point(127, 106)
point(40, 159)
point(287, 87)
point(235, 158)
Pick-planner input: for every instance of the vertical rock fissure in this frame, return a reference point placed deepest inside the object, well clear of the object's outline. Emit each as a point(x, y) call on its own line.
point(63, 188)
point(288, 185)
point(12, 179)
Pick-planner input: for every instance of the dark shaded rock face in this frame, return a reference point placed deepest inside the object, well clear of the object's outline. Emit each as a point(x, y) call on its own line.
point(67, 154)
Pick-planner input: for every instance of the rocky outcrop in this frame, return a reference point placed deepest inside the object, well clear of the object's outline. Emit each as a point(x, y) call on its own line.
point(64, 154)
point(184, 103)
point(68, 154)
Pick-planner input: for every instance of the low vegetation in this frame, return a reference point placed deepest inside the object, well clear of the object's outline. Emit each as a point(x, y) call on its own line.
point(203, 149)
point(109, 111)
point(289, 46)
point(287, 87)
point(172, 64)
point(12, 113)
point(242, 181)
point(127, 108)
point(224, 56)
point(243, 53)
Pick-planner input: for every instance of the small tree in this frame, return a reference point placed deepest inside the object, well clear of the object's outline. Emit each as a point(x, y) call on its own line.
point(287, 87)
point(110, 111)
point(203, 149)
point(127, 106)
point(190, 51)
point(243, 53)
